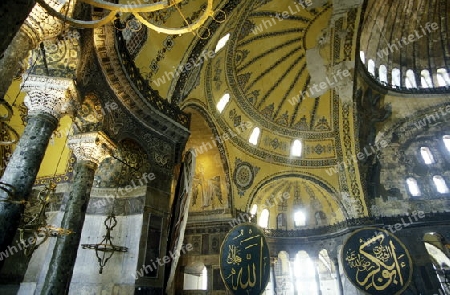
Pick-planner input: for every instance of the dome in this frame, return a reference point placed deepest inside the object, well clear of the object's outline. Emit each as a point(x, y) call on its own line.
point(404, 45)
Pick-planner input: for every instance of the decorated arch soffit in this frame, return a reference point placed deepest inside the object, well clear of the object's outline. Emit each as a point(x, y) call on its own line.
point(211, 189)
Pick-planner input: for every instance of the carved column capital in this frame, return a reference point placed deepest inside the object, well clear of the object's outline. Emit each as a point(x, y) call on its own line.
point(39, 25)
point(91, 146)
point(54, 96)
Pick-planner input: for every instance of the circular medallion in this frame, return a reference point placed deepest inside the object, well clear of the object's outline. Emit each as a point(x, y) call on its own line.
point(377, 262)
point(243, 175)
point(245, 260)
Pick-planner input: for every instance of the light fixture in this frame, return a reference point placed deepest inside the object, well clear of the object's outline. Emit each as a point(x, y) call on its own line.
point(34, 226)
point(105, 249)
point(137, 10)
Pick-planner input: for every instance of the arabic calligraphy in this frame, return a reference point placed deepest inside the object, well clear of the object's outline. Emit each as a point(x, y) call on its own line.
point(377, 264)
point(245, 260)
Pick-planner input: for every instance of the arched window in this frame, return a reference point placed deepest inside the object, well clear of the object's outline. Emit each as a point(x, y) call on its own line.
point(223, 102)
point(371, 67)
point(327, 274)
point(446, 139)
point(362, 56)
point(296, 149)
point(222, 42)
point(410, 80)
point(426, 154)
point(382, 72)
point(435, 244)
point(254, 209)
point(305, 274)
point(196, 278)
point(425, 79)
point(413, 187)
point(440, 184)
point(299, 218)
point(396, 78)
point(255, 136)
point(281, 221)
point(443, 77)
point(264, 219)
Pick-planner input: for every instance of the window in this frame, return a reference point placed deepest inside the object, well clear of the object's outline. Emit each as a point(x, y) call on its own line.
point(281, 221)
point(410, 80)
point(299, 218)
point(427, 156)
point(296, 149)
point(425, 79)
point(362, 56)
point(446, 139)
point(440, 184)
point(255, 135)
point(254, 209)
point(196, 281)
point(223, 102)
point(382, 72)
point(371, 67)
point(395, 78)
point(327, 274)
point(264, 220)
point(222, 42)
point(413, 187)
point(204, 279)
point(305, 274)
point(443, 77)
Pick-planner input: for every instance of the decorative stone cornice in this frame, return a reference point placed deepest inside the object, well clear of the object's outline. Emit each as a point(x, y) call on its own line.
point(55, 96)
point(39, 25)
point(91, 146)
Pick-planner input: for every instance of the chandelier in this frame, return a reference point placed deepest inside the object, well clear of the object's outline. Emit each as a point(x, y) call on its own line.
point(33, 227)
point(137, 10)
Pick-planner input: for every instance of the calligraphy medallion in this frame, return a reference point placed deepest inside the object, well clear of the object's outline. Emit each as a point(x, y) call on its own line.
point(245, 260)
point(377, 262)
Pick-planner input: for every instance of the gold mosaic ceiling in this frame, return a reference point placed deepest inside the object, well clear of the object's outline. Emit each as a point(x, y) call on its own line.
point(264, 69)
point(269, 60)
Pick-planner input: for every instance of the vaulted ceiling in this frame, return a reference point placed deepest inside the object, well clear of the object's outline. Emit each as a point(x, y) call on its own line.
point(276, 51)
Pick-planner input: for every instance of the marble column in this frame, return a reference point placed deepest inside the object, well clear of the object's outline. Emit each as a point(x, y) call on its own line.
point(47, 99)
point(338, 276)
point(90, 149)
point(37, 26)
point(316, 263)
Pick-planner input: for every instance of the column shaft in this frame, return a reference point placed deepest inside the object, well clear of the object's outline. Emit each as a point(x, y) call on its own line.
point(316, 273)
point(64, 255)
point(22, 170)
point(338, 277)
